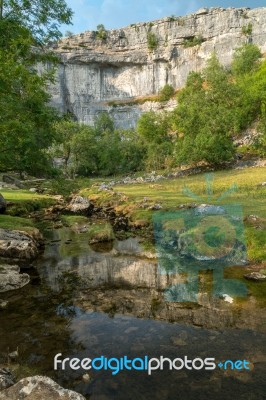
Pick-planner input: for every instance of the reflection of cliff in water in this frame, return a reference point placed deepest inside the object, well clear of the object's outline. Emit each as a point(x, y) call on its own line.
point(121, 282)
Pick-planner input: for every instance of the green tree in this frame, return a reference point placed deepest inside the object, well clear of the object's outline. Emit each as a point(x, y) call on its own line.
point(101, 32)
point(154, 129)
point(42, 17)
point(104, 123)
point(166, 92)
point(205, 118)
point(245, 59)
point(26, 120)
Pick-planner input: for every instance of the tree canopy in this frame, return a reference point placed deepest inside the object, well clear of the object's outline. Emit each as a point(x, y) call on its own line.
point(42, 17)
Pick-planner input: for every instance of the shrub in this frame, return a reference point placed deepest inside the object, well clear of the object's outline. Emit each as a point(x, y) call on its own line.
point(247, 30)
point(152, 41)
point(193, 41)
point(166, 93)
point(101, 32)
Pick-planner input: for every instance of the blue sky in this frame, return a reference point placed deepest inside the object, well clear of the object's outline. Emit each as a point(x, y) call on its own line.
point(120, 13)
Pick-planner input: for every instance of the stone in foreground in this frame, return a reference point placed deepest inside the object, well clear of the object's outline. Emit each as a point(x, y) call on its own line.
point(11, 279)
point(80, 205)
point(18, 245)
point(38, 388)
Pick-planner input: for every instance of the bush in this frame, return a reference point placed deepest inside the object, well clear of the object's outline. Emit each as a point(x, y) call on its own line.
point(247, 30)
point(152, 41)
point(194, 41)
point(101, 32)
point(166, 93)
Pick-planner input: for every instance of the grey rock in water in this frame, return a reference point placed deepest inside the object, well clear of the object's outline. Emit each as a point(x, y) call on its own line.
point(19, 245)
point(2, 204)
point(38, 388)
point(255, 276)
point(11, 279)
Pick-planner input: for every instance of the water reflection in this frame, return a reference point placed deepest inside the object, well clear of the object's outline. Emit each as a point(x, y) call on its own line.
point(86, 304)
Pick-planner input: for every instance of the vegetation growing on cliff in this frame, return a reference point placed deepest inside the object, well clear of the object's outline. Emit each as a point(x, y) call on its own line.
point(152, 41)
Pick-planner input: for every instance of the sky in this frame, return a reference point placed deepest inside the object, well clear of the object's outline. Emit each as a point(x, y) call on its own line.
point(120, 13)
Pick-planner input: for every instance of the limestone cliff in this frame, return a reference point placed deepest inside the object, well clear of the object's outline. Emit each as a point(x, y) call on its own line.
point(94, 72)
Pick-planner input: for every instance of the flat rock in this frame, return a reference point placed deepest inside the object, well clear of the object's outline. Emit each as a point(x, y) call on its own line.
point(18, 244)
point(11, 279)
point(38, 388)
point(255, 276)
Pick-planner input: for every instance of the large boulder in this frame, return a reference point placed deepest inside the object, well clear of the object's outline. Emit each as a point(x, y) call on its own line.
point(38, 388)
point(19, 245)
point(13, 181)
point(2, 204)
point(80, 205)
point(11, 279)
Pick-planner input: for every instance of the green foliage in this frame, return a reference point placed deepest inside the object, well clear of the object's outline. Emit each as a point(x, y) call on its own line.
point(63, 187)
point(98, 150)
point(193, 41)
point(41, 17)
point(247, 30)
point(152, 41)
point(205, 117)
point(166, 92)
point(101, 32)
point(245, 59)
point(154, 129)
point(26, 119)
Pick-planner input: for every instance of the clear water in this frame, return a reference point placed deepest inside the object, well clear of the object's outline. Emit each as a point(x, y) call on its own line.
point(86, 302)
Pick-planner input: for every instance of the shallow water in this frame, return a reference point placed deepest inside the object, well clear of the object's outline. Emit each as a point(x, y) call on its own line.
point(85, 302)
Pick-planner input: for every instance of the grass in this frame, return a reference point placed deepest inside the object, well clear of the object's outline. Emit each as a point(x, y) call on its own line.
point(70, 220)
point(101, 232)
point(16, 223)
point(25, 202)
point(170, 195)
point(23, 195)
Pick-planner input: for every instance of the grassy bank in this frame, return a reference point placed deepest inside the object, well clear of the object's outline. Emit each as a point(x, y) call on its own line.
point(136, 200)
point(23, 202)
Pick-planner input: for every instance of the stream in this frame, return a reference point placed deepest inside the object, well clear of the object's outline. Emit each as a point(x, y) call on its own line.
point(87, 301)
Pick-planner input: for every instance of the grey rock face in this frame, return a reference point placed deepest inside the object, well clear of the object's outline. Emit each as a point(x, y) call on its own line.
point(92, 72)
point(2, 204)
point(11, 279)
point(18, 245)
point(38, 387)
